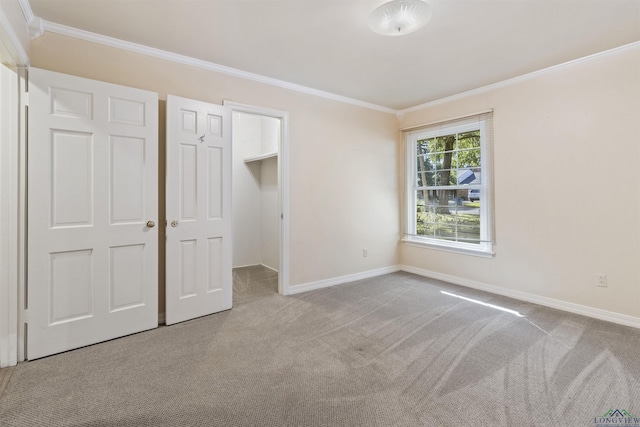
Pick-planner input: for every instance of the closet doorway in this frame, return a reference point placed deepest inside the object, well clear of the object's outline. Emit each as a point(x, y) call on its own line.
point(260, 184)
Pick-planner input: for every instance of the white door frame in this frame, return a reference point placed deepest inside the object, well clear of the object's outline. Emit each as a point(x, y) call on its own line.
point(9, 214)
point(283, 183)
point(12, 192)
point(13, 217)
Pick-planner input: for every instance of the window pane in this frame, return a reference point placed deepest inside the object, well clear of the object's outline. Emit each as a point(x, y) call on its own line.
point(477, 175)
point(469, 140)
point(439, 200)
point(420, 197)
point(446, 177)
point(426, 179)
point(433, 146)
point(422, 146)
point(423, 217)
point(468, 158)
point(436, 161)
point(467, 176)
point(448, 159)
point(444, 214)
point(469, 221)
point(425, 229)
point(446, 230)
point(424, 163)
point(442, 143)
point(468, 234)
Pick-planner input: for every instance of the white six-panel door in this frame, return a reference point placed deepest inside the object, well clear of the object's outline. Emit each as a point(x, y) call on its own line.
point(198, 206)
point(92, 205)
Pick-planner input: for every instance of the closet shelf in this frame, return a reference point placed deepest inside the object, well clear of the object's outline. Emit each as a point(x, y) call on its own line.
point(260, 157)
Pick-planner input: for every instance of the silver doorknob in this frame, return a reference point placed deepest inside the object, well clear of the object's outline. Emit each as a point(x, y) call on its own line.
point(151, 224)
point(174, 223)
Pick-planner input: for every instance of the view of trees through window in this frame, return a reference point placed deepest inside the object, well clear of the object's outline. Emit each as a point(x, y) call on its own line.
point(448, 187)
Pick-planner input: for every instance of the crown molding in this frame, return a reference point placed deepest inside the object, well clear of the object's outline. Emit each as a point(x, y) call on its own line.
point(12, 42)
point(34, 24)
point(186, 60)
point(26, 10)
point(522, 78)
point(35, 28)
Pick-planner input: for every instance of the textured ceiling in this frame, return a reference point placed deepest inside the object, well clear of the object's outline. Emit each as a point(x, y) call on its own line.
point(326, 44)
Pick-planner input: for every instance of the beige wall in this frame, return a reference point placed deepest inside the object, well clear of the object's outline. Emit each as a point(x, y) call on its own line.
point(344, 188)
point(567, 156)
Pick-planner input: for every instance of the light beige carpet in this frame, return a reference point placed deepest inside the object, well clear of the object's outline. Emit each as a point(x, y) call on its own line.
point(397, 350)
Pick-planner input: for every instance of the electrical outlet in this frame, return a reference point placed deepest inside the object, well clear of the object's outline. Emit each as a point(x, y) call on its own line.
point(601, 280)
point(365, 253)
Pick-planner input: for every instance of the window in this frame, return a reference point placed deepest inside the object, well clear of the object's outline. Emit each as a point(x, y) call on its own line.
point(448, 185)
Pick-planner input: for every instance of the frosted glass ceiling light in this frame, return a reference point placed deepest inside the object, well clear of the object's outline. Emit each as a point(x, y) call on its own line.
point(399, 17)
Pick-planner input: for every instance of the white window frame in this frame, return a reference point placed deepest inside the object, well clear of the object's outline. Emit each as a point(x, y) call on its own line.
point(484, 248)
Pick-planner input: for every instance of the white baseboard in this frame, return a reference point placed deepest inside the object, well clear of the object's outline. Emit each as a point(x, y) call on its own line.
point(270, 268)
point(243, 266)
point(584, 310)
point(254, 265)
point(305, 287)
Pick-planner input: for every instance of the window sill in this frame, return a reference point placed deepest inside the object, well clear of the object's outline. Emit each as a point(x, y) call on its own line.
point(484, 252)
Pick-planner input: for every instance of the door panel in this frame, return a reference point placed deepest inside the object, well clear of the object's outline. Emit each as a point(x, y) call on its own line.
point(71, 173)
point(214, 171)
point(92, 177)
point(199, 280)
point(126, 180)
point(126, 277)
point(71, 286)
point(188, 182)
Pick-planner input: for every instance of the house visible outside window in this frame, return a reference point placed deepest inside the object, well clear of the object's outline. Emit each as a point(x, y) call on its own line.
point(449, 185)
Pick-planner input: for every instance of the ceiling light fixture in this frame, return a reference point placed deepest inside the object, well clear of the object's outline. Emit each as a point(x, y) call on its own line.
point(399, 17)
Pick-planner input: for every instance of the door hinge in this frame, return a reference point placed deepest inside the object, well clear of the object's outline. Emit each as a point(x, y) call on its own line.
point(25, 98)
